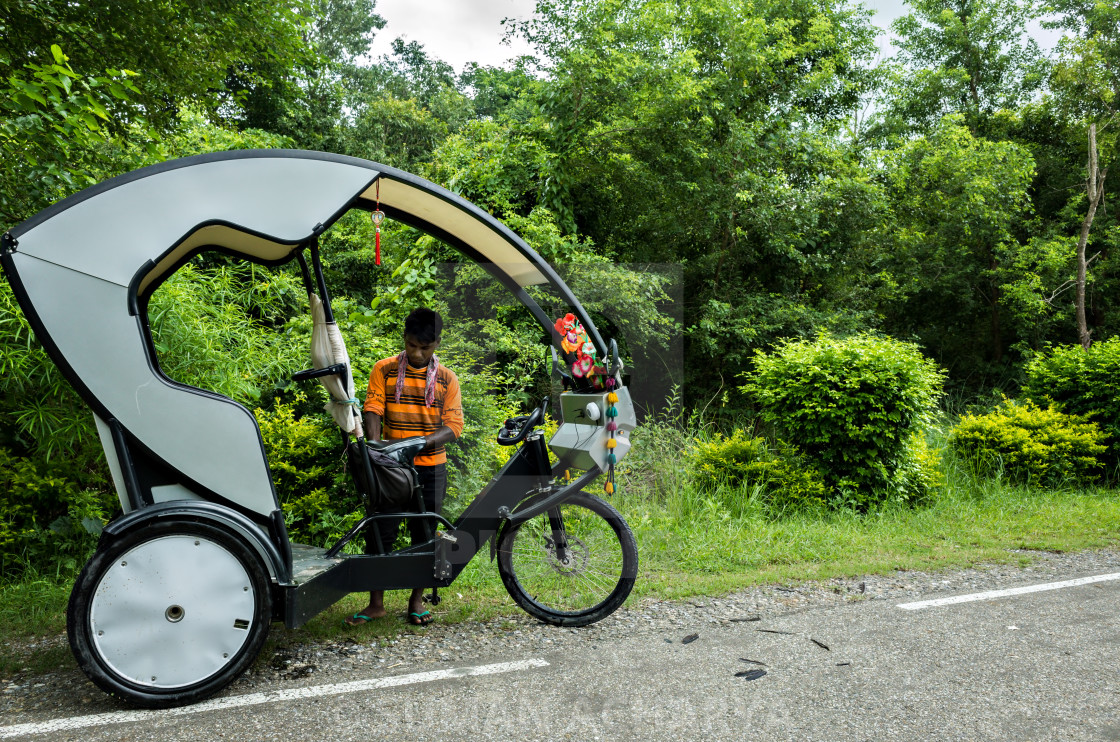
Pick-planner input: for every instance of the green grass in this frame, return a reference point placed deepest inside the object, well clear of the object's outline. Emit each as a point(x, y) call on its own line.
point(32, 615)
point(690, 544)
point(716, 554)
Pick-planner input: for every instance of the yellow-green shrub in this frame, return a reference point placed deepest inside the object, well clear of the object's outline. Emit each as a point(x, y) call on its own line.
point(1080, 382)
point(782, 477)
point(1031, 444)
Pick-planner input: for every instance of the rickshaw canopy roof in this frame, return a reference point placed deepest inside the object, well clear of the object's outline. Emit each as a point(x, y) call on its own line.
point(263, 204)
point(82, 269)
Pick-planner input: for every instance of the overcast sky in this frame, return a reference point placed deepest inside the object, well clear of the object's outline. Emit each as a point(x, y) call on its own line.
point(461, 31)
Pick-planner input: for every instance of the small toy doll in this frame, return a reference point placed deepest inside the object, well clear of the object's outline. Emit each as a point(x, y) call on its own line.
point(570, 333)
point(579, 351)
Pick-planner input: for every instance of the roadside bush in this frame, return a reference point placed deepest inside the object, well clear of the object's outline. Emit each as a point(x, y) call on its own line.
point(1084, 383)
point(305, 456)
point(1030, 444)
point(777, 474)
point(857, 408)
point(48, 519)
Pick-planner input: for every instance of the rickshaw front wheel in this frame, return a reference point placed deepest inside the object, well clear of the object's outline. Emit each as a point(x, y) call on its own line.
point(170, 613)
point(571, 566)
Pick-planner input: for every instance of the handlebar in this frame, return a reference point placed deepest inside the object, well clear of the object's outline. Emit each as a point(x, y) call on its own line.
point(314, 373)
point(516, 429)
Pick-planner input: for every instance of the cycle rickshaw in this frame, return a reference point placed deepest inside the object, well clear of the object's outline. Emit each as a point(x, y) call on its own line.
point(178, 598)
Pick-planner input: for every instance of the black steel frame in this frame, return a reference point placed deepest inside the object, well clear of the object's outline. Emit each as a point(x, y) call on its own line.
point(438, 562)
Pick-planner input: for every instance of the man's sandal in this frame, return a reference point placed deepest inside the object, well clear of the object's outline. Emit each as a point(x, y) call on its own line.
point(356, 620)
point(420, 619)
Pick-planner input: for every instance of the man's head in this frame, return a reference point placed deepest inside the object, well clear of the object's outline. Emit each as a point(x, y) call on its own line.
point(422, 331)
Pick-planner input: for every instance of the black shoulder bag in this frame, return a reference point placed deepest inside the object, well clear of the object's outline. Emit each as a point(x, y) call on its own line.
point(392, 490)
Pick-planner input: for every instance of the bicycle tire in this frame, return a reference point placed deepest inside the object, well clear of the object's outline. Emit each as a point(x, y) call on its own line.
point(598, 573)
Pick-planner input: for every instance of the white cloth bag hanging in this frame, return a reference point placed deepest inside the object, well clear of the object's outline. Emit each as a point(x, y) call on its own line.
point(327, 349)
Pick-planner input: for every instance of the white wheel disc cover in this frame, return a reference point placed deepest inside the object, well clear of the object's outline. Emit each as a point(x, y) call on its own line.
point(172, 612)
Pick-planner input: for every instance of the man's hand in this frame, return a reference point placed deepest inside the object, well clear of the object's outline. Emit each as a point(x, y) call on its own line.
point(439, 438)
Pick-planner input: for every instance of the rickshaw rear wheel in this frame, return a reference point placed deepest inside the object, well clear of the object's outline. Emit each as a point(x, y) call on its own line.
point(572, 584)
point(170, 613)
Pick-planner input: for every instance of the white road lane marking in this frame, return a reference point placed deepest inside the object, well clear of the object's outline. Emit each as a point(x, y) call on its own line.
point(254, 699)
point(991, 594)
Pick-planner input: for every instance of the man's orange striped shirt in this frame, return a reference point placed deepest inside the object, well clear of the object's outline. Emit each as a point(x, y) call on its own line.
point(410, 417)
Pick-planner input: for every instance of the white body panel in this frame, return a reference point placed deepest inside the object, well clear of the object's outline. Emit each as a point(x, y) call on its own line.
point(584, 443)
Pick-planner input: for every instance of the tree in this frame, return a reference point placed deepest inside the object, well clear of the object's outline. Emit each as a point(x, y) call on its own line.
point(948, 248)
point(501, 94)
point(1086, 87)
point(1094, 185)
point(183, 48)
point(306, 97)
point(53, 120)
point(692, 132)
point(969, 57)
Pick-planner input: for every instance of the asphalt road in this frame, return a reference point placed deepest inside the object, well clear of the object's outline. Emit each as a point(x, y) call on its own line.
point(1032, 667)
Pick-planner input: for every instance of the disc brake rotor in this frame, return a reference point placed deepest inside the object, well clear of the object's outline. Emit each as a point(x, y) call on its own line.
point(575, 560)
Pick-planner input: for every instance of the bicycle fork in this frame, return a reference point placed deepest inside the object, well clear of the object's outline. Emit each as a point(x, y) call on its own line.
point(559, 537)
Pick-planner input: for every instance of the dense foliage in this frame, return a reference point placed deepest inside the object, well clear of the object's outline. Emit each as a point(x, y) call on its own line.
point(720, 181)
point(51, 514)
point(1085, 383)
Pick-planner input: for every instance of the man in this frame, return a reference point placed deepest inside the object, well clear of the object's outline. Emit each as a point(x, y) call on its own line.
point(413, 394)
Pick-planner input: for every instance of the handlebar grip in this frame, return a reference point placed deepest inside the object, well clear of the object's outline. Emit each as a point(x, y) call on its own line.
point(528, 422)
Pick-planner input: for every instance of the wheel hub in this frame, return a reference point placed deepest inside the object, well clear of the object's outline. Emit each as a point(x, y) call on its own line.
point(575, 558)
point(172, 611)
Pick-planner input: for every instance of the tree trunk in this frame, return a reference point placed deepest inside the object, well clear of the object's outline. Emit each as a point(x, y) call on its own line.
point(727, 241)
point(1095, 183)
point(996, 326)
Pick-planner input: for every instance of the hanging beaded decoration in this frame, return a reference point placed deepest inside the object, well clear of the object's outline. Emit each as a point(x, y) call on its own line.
point(612, 429)
point(377, 216)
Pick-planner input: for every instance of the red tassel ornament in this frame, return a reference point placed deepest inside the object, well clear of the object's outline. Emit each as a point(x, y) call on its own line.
point(378, 217)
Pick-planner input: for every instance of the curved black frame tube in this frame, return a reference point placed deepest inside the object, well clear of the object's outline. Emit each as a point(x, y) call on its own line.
point(124, 461)
point(323, 294)
point(334, 550)
point(305, 272)
point(557, 498)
